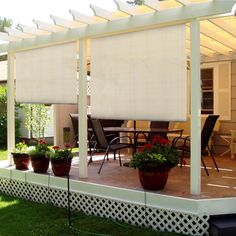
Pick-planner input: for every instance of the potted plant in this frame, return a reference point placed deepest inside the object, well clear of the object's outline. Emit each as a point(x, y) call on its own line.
point(38, 157)
point(60, 160)
point(20, 156)
point(154, 162)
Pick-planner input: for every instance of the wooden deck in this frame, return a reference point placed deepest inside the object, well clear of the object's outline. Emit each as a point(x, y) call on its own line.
point(218, 185)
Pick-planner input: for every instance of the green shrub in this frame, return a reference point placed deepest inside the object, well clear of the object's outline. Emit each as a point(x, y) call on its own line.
point(3, 118)
point(3, 115)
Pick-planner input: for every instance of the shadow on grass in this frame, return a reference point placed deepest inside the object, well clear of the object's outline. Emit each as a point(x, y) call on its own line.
point(20, 217)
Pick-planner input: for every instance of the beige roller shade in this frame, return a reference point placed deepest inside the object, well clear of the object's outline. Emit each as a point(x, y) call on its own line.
point(140, 75)
point(47, 75)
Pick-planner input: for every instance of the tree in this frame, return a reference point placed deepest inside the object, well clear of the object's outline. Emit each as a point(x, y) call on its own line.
point(36, 119)
point(5, 23)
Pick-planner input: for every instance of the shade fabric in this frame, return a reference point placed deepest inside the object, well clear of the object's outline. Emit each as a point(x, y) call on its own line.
point(140, 75)
point(47, 75)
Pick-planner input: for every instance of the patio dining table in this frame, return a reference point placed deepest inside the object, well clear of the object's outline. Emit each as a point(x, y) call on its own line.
point(135, 131)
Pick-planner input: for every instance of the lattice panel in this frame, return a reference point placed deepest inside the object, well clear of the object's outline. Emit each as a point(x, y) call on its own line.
point(155, 218)
point(5, 186)
point(38, 193)
point(58, 197)
point(19, 189)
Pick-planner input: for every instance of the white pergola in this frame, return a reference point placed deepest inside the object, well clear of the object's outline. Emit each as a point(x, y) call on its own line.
point(217, 38)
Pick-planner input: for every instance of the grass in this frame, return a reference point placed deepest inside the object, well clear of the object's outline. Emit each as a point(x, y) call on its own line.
point(3, 154)
point(20, 217)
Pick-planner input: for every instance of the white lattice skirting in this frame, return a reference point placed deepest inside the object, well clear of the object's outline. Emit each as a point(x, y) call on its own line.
point(93, 199)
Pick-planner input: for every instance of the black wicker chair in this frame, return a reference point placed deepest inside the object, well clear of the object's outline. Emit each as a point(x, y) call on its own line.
point(205, 137)
point(102, 142)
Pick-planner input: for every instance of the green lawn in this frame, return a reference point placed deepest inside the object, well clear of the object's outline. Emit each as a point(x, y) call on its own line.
point(3, 154)
point(20, 217)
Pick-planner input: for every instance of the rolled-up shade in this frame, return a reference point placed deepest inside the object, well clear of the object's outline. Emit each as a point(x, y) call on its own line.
point(140, 75)
point(47, 75)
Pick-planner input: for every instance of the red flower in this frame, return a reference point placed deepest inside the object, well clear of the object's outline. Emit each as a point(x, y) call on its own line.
point(42, 142)
point(141, 149)
point(147, 146)
point(160, 140)
point(164, 140)
point(67, 145)
point(56, 147)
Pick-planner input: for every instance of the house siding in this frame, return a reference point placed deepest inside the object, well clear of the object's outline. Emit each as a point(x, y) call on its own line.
point(226, 126)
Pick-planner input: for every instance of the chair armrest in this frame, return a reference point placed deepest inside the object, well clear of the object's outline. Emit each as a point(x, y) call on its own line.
point(141, 133)
point(177, 139)
point(118, 138)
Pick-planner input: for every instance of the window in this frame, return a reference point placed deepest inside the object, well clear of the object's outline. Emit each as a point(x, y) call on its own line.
point(216, 89)
point(207, 91)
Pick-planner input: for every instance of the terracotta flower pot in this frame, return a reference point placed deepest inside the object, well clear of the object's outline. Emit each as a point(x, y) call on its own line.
point(21, 161)
point(40, 164)
point(153, 180)
point(61, 167)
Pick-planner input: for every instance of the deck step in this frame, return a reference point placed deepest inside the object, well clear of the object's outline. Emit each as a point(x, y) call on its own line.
point(223, 225)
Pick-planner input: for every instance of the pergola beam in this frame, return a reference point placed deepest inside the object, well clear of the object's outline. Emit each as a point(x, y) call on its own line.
point(7, 37)
point(217, 37)
point(100, 12)
point(126, 8)
point(85, 19)
point(153, 4)
point(17, 33)
point(31, 30)
point(183, 2)
point(65, 23)
point(204, 51)
point(206, 43)
point(223, 25)
point(48, 27)
point(128, 24)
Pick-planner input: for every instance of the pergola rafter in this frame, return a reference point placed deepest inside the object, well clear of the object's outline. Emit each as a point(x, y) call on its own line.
point(17, 33)
point(32, 30)
point(70, 24)
point(48, 27)
point(82, 18)
point(102, 13)
point(153, 13)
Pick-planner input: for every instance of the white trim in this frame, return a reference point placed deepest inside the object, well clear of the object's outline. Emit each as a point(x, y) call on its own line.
point(198, 207)
point(82, 103)
point(10, 106)
point(195, 155)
